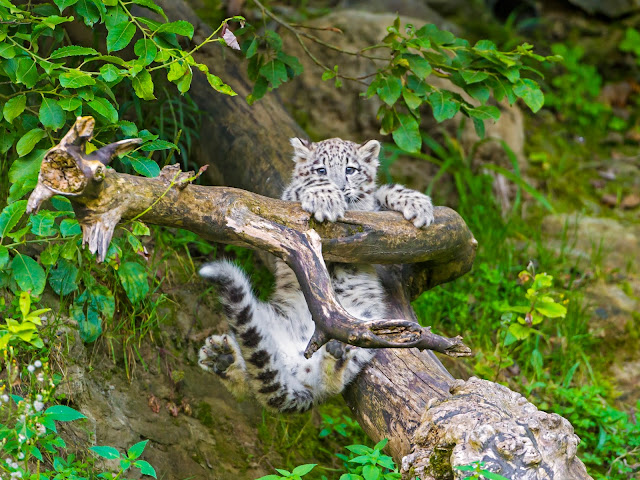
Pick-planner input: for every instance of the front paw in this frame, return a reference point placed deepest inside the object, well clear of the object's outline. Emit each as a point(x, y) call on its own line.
point(418, 210)
point(325, 205)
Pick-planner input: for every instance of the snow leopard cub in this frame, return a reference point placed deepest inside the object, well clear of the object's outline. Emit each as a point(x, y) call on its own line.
point(264, 353)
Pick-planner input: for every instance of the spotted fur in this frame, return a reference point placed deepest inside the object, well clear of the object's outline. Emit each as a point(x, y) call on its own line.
point(264, 352)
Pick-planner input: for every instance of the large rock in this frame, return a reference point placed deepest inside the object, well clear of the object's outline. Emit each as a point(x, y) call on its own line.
point(608, 8)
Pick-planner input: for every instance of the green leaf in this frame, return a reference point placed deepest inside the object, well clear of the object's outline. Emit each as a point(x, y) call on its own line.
point(443, 107)
point(274, 71)
point(128, 128)
point(29, 140)
point(479, 91)
point(551, 309)
point(29, 276)
point(120, 36)
point(10, 216)
point(252, 49)
point(360, 449)
point(381, 444)
point(389, 89)
point(49, 255)
point(520, 332)
point(413, 101)
point(76, 79)
point(26, 168)
point(133, 278)
point(4, 257)
point(107, 452)
point(88, 11)
point(63, 278)
point(14, 107)
point(70, 104)
point(219, 86)
point(370, 472)
point(7, 50)
point(154, 145)
point(530, 92)
point(484, 112)
point(303, 469)
point(179, 27)
point(143, 85)
point(270, 477)
point(51, 114)
point(470, 76)
point(27, 72)
point(70, 227)
point(6, 139)
point(151, 6)
point(62, 413)
point(145, 166)
point(292, 62)
point(146, 468)
point(146, 51)
point(418, 64)
point(43, 224)
point(71, 51)
point(407, 134)
point(103, 107)
point(136, 450)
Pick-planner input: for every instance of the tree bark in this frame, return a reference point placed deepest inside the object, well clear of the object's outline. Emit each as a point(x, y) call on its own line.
point(433, 422)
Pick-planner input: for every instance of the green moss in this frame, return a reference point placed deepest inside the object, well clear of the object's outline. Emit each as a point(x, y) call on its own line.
point(204, 414)
point(440, 464)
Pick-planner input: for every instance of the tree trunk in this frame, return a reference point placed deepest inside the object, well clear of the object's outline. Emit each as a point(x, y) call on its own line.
point(433, 422)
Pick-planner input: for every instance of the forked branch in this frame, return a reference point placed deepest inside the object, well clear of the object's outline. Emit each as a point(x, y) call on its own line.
point(102, 198)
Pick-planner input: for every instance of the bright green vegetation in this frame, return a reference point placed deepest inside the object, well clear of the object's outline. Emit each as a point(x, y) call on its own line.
point(523, 308)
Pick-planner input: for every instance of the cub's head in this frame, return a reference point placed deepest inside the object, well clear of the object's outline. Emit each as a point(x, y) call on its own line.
point(349, 166)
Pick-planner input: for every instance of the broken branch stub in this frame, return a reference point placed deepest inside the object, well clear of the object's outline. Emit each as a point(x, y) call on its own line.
point(102, 197)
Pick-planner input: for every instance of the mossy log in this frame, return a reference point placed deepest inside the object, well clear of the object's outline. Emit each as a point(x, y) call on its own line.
point(433, 422)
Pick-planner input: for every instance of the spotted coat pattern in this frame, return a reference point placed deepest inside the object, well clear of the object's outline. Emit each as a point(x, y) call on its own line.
point(264, 352)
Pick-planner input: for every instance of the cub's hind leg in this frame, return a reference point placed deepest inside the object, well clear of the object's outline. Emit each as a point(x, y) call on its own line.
point(265, 345)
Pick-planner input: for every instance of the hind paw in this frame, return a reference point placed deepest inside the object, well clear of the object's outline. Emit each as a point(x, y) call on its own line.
point(219, 354)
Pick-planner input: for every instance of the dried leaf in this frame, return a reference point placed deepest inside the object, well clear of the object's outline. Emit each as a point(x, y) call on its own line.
point(174, 410)
point(153, 403)
point(630, 201)
point(229, 38)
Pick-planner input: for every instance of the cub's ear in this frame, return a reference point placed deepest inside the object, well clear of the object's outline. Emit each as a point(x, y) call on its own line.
point(369, 151)
point(301, 149)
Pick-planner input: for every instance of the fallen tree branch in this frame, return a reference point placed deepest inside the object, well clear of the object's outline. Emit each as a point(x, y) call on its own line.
point(102, 198)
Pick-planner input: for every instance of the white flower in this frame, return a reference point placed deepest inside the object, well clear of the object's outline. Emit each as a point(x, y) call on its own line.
point(39, 397)
point(40, 377)
point(21, 438)
point(16, 474)
point(8, 460)
point(5, 398)
point(14, 465)
point(38, 405)
point(40, 429)
point(37, 363)
point(21, 456)
point(31, 368)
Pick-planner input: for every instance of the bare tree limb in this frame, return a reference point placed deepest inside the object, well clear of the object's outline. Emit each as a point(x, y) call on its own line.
point(102, 198)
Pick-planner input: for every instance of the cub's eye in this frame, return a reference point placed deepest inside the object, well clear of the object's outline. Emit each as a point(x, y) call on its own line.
point(350, 170)
point(321, 171)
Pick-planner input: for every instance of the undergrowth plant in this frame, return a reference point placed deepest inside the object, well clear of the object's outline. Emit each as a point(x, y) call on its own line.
point(31, 445)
